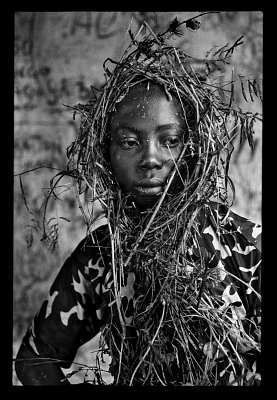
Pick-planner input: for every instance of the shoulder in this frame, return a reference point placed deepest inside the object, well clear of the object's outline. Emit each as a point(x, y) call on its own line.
point(223, 218)
point(95, 243)
point(89, 254)
point(233, 252)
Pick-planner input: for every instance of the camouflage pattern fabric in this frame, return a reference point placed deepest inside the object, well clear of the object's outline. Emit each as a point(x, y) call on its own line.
point(80, 299)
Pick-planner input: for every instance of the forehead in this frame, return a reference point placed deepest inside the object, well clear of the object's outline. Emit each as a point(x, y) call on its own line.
point(144, 92)
point(147, 103)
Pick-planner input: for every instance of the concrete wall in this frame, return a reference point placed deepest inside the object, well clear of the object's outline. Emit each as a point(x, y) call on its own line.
point(58, 55)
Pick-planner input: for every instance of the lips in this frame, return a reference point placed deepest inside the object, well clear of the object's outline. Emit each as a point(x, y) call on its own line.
point(149, 186)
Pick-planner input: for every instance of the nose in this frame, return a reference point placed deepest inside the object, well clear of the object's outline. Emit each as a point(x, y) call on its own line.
point(151, 157)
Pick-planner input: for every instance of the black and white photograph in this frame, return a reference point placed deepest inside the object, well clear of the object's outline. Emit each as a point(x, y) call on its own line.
point(137, 190)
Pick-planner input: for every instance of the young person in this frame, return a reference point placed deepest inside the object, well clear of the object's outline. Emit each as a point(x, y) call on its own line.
point(171, 279)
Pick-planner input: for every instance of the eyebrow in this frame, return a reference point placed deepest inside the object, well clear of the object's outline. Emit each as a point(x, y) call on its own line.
point(160, 128)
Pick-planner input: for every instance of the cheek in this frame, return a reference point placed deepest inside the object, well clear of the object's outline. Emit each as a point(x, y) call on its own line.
point(117, 159)
point(122, 167)
point(175, 152)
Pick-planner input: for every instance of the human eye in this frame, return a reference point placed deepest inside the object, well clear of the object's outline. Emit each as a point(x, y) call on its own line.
point(172, 141)
point(128, 143)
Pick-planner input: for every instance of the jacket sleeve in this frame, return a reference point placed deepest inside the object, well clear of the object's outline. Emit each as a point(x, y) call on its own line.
point(233, 246)
point(233, 255)
point(75, 308)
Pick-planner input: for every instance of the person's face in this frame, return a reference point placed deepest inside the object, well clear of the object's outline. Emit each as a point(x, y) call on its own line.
point(147, 134)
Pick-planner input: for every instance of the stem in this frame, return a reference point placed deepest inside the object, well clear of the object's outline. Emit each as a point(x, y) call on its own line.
point(117, 300)
point(150, 344)
point(33, 169)
point(200, 15)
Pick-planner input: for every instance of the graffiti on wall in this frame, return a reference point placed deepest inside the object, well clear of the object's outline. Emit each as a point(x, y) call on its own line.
point(35, 83)
point(30, 94)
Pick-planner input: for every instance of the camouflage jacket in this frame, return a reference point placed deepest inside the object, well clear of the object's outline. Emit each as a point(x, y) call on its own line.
point(79, 301)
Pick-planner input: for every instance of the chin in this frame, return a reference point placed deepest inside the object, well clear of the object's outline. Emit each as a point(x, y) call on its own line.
point(146, 203)
point(142, 203)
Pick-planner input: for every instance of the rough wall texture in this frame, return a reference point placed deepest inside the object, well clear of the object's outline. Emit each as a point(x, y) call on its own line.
point(58, 55)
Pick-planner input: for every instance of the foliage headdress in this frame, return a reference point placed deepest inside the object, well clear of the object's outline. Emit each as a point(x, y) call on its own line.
point(211, 121)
